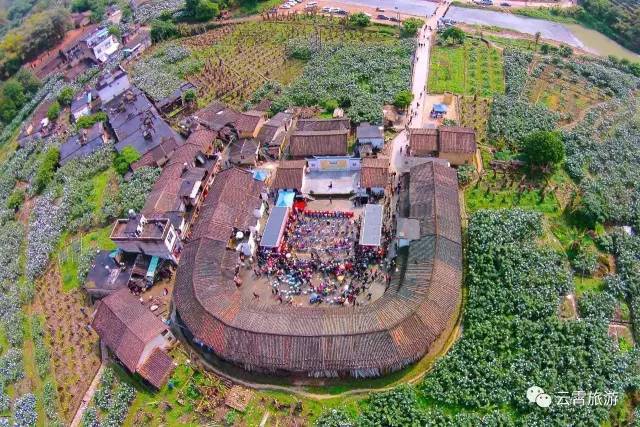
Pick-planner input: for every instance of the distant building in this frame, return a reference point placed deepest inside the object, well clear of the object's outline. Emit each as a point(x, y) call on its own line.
point(84, 143)
point(373, 136)
point(135, 336)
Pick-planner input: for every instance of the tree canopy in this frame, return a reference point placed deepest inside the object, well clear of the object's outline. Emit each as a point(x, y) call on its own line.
point(455, 34)
point(544, 148)
point(359, 20)
point(123, 160)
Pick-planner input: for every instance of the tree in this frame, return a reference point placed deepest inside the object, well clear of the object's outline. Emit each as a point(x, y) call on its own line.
point(8, 110)
point(66, 96)
point(54, 111)
point(410, 27)
point(544, 148)
point(189, 96)
point(201, 10)
point(123, 160)
point(13, 90)
point(359, 20)
point(29, 82)
point(455, 34)
point(403, 99)
point(537, 38)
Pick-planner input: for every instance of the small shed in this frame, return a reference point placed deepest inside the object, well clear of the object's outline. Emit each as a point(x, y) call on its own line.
point(371, 228)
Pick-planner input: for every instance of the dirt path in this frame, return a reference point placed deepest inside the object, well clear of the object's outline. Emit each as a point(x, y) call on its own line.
point(92, 388)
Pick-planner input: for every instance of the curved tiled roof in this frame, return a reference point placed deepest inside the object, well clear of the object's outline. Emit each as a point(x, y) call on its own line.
point(380, 337)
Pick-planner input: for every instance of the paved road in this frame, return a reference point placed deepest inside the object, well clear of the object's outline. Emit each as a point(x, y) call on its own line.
point(408, 7)
point(417, 110)
point(548, 30)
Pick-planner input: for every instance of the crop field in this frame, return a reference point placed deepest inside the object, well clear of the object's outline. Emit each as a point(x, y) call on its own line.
point(561, 90)
point(230, 63)
point(474, 113)
point(473, 68)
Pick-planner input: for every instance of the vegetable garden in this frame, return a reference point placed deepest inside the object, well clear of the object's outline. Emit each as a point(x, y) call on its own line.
point(472, 68)
point(230, 63)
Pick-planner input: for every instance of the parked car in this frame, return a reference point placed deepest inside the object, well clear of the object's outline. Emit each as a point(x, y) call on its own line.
point(379, 9)
point(382, 17)
point(505, 4)
point(340, 11)
point(394, 19)
point(326, 9)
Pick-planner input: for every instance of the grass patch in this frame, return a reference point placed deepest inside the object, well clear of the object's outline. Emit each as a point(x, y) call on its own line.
point(252, 7)
point(587, 284)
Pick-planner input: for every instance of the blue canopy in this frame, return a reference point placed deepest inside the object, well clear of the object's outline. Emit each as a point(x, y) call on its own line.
point(285, 199)
point(259, 175)
point(440, 108)
point(151, 271)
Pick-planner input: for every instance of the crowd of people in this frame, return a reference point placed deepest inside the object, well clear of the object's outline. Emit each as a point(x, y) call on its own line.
point(321, 260)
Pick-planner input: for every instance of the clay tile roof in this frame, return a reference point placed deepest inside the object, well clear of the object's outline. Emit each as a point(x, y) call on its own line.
point(374, 173)
point(455, 139)
point(323, 124)
point(423, 141)
point(289, 174)
point(318, 143)
point(126, 326)
point(165, 193)
point(157, 368)
point(247, 122)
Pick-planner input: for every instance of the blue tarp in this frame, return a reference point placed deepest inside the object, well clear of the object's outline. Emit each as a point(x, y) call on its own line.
point(151, 271)
point(259, 175)
point(440, 108)
point(285, 199)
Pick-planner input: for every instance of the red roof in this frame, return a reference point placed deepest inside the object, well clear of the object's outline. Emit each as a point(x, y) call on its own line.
point(374, 173)
point(423, 141)
point(454, 139)
point(126, 326)
point(289, 174)
point(157, 368)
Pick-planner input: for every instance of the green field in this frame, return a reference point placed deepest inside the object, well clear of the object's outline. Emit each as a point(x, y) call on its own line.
point(472, 68)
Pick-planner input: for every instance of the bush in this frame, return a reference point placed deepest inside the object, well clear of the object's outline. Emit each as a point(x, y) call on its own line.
point(394, 408)
point(403, 99)
point(11, 369)
point(465, 174)
point(544, 148)
point(359, 19)
point(598, 306)
point(85, 122)
point(410, 27)
point(15, 200)
point(54, 111)
point(123, 159)
point(163, 30)
point(334, 418)
point(46, 170)
point(454, 34)
point(24, 411)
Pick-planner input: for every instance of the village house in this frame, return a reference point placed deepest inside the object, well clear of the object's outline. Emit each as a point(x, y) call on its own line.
point(173, 201)
point(38, 126)
point(374, 176)
point(135, 41)
point(102, 44)
point(244, 152)
point(369, 138)
point(158, 156)
point(456, 145)
point(319, 137)
point(135, 336)
point(109, 272)
point(112, 84)
point(273, 133)
point(175, 100)
point(84, 104)
point(289, 176)
point(136, 123)
point(84, 143)
point(220, 118)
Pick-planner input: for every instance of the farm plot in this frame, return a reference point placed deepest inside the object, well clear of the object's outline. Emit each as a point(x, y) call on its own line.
point(230, 63)
point(472, 68)
point(561, 90)
point(474, 113)
point(75, 350)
